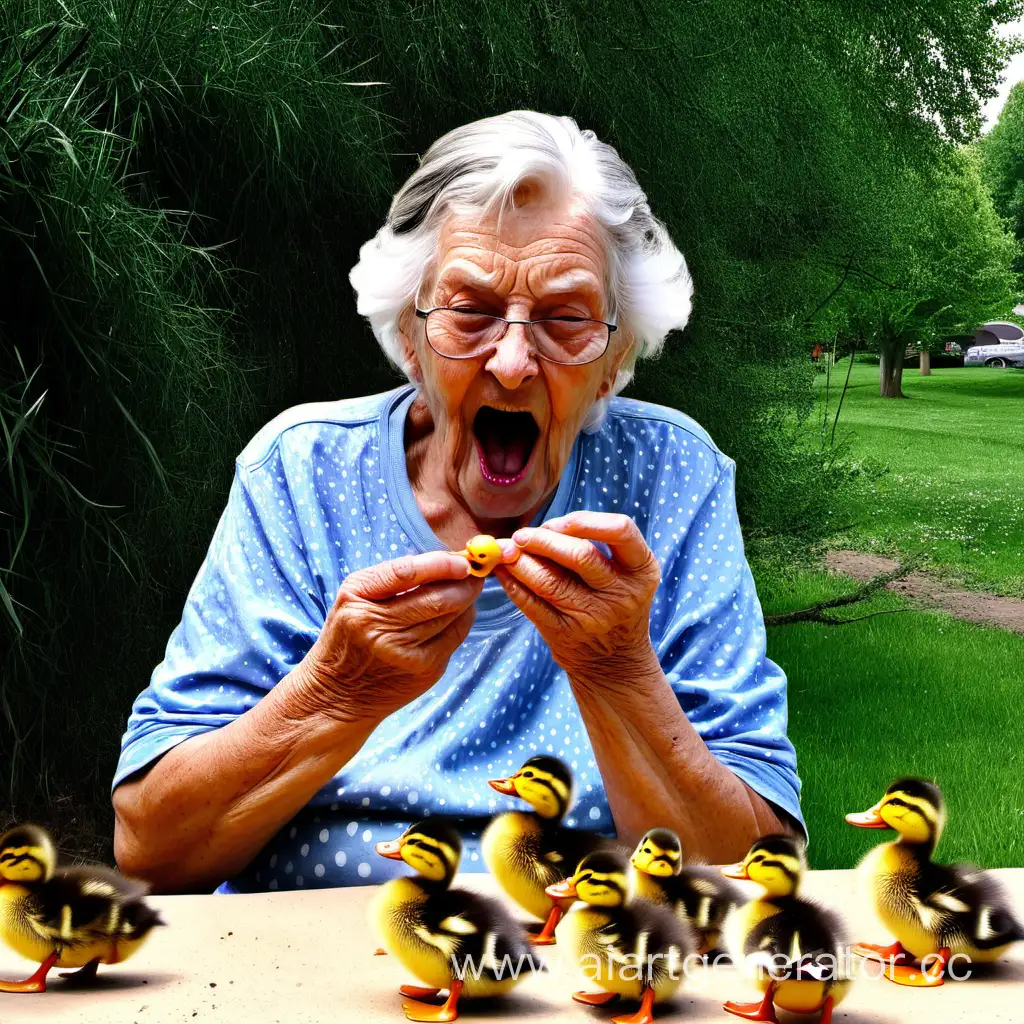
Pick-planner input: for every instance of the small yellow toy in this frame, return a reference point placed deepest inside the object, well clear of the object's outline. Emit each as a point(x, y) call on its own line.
point(483, 554)
point(697, 895)
point(935, 911)
point(791, 949)
point(527, 851)
point(76, 917)
point(437, 932)
point(626, 946)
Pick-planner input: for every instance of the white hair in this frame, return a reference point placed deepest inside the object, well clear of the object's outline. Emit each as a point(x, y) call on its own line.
point(479, 166)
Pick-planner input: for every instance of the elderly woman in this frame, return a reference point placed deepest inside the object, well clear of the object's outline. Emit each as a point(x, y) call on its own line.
point(337, 673)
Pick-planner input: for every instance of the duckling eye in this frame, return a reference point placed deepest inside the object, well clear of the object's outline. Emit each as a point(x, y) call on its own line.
point(897, 802)
point(527, 775)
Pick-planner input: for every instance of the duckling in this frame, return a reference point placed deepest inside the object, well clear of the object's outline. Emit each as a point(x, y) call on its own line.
point(698, 895)
point(528, 851)
point(75, 917)
point(935, 911)
point(627, 946)
point(791, 948)
point(483, 554)
point(449, 938)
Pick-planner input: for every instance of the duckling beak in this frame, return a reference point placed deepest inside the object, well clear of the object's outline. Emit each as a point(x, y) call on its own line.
point(390, 848)
point(866, 819)
point(564, 890)
point(506, 786)
point(735, 871)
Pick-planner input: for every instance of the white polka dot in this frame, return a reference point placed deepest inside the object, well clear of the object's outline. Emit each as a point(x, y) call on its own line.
point(351, 828)
point(319, 871)
point(363, 870)
point(595, 813)
point(304, 849)
point(324, 835)
point(413, 796)
point(340, 859)
point(367, 835)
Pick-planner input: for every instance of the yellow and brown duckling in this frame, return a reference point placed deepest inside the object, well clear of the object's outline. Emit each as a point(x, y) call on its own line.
point(935, 911)
point(438, 932)
point(700, 896)
point(73, 917)
point(527, 851)
point(483, 554)
point(627, 946)
point(790, 948)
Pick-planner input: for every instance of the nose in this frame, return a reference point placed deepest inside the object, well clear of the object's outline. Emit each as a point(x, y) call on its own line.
point(514, 361)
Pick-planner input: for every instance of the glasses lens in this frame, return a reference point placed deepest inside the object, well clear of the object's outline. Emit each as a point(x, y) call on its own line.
point(571, 340)
point(461, 332)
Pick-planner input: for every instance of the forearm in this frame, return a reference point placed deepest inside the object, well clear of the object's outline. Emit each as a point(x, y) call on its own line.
point(210, 804)
point(657, 770)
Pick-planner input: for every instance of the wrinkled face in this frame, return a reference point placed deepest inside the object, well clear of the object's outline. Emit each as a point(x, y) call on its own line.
point(507, 419)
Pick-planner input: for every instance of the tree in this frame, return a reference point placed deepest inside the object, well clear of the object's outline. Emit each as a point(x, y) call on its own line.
point(942, 264)
point(1002, 165)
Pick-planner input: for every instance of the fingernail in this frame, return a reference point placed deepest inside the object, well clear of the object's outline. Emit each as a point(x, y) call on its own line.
point(509, 550)
point(521, 536)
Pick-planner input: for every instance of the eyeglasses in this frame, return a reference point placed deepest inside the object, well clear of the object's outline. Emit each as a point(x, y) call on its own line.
point(468, 334)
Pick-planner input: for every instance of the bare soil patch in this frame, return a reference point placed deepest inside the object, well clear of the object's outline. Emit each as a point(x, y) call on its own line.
point(971, 605)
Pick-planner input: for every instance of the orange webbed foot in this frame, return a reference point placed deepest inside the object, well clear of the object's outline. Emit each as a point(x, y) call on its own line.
point(37, 983)
point(430, 1012)
point(645, 1015)
point(594, 998)
point(417, 991)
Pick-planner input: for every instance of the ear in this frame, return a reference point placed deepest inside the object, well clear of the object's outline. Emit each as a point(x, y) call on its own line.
point(614, 365)
point(407, 326)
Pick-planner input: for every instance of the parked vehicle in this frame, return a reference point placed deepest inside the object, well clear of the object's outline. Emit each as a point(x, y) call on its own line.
point(998, 344)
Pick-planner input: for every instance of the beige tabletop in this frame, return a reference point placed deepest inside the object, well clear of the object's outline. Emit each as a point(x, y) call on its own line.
point(308, 957)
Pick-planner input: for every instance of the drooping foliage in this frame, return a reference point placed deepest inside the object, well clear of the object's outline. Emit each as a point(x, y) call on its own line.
point(184, 186)
point(1002, 165)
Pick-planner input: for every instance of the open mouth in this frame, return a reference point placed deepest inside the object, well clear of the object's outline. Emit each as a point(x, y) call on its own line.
point(505, 441)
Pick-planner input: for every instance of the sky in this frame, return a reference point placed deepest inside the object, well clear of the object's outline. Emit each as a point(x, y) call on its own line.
point(1013, 74)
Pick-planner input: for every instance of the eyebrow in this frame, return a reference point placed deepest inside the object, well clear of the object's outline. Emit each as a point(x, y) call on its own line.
point(469, 274)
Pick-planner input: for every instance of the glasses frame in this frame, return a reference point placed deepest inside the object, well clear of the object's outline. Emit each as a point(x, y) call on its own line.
point(612, 328)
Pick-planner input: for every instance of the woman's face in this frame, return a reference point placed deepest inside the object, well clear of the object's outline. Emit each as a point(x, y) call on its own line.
point(545, 259)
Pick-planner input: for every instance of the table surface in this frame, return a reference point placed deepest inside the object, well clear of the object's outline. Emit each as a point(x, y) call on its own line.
point(308, 957)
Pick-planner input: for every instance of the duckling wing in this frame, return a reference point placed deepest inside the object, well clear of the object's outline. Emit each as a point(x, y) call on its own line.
point(463, 923)
point(704, 894)
point(802, 939)
point(962, 900)
point(563, 848)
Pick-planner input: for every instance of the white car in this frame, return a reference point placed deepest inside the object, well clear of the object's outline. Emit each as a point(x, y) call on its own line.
point(998, 343)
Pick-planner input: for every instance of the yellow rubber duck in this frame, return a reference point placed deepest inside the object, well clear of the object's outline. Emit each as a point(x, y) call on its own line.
point(483, 553)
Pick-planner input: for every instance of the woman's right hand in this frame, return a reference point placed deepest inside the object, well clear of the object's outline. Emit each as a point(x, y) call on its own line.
point(388, 637)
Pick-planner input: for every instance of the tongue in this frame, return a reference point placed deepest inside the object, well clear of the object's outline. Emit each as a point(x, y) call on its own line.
point(505, 456)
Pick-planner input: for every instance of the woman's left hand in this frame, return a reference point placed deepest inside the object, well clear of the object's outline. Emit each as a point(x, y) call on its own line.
point(593, 612)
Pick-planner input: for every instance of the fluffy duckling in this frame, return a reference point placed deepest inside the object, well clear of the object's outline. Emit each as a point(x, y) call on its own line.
point(75, 917)
point(482, 553)
point(627, 946)
point(529, 850)
point(698, 895)
point(449, 938)
point(935, 911)
point(791, 948)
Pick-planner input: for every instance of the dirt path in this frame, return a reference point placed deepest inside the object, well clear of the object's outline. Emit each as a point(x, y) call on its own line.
point(972, 605)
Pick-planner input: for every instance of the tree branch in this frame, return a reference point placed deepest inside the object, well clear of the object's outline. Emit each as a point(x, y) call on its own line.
point(818, 612)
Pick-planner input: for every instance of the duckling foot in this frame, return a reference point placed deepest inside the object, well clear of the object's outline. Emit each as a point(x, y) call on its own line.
point(83, 976)
point(894, 953)
point(417, 991)
point(594, 998)
point(764, 1010)
point(546, 936)
point(645, 1015)
point(447, 1011)
point(928, 975)
point(37, 983)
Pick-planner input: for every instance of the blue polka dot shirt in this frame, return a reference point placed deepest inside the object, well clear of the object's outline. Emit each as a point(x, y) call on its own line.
point(323, 491)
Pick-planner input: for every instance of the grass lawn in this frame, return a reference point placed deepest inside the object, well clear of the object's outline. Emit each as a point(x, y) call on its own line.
point(954, 485)
point(913, 693)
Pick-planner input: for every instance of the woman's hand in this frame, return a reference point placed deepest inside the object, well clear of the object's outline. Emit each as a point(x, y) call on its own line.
point(593, 612)
point(388, 637)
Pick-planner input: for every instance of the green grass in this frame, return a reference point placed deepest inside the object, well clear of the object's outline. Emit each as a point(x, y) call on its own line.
point(911, 693)
point(953, 455)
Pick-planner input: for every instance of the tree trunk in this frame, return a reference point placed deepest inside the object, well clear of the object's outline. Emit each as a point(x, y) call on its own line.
point(926, 363)
point(891, 367)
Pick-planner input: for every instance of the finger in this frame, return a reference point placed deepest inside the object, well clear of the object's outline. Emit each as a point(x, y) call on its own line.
point(432, 601)
point(619, 532)
point(509, 550)
point(573, 553)
point(540, 612)
point(387, 579)
point(445, 644)
point(421, 633)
